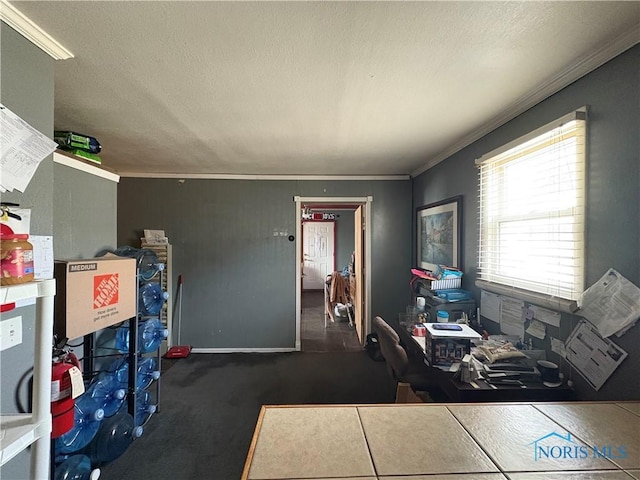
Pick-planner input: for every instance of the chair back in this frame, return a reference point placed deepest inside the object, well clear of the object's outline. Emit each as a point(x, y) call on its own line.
point(392, 351)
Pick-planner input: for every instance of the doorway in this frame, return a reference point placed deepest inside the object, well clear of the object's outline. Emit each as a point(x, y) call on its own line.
point(312, 303)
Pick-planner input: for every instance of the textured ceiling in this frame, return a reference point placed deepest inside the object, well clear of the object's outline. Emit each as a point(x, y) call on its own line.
point(312, 88)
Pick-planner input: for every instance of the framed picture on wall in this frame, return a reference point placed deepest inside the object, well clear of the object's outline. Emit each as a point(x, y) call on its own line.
point(438, 233)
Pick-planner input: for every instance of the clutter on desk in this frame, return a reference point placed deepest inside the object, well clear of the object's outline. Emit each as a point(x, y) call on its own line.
point(446, 347)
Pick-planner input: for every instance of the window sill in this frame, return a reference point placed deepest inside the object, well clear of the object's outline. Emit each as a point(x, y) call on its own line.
point(540, 299)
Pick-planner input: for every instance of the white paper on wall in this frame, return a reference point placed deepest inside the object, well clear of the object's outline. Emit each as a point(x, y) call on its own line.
point(490, 306)
point(512, 316)
point(612, 304)
point(22, 148)
point(595, 357)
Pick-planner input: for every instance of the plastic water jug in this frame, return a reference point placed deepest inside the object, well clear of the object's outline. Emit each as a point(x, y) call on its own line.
point(112, 439)
point(146, 260)
point(76, 467)
point(151, 335)
point(151, 297)
point(144, 407)
point(107, 393)
point(146, 374)
point(86, 421)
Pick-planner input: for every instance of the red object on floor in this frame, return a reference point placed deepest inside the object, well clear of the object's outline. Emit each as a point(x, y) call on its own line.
point(179, 351)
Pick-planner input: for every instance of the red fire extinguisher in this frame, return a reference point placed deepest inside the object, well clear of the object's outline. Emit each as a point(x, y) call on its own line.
point(62, 393)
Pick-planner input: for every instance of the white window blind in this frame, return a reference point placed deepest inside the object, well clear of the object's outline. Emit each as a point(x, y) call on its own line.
point(532, 203)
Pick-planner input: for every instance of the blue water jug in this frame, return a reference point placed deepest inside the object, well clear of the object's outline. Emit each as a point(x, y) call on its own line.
point(87, 416)
point(107, 393)
point(112, 439)
point(146, 260)
point(122, 338)
point(151, 335)
point(76, 467)
point(150, 298)
point(146, 374)
point(144, 407)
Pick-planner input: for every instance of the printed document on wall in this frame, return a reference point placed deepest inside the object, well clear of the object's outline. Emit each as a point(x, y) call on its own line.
point(612, 304)
point(512, 317)
point(490, 306)
point(595, 357)
point(22, 148)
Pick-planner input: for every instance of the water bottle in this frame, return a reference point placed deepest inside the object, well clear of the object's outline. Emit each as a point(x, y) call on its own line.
point(122, 338)
point(147, 260)
point(87, 416)
point(151, 335)
point(147, 372)
point(76, 467)
point(113, 438)
point(107, 392)
point(151, 297)
point(144, 407)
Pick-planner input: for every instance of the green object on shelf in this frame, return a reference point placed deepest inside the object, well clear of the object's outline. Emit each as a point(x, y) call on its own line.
point(87, 155)
point(73, 140)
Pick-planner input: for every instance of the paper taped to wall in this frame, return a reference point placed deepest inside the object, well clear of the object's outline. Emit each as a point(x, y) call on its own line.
point(21, 150)
point(612, 304)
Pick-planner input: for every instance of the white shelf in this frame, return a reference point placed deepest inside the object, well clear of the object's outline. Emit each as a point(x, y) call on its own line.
point(19, 431)
point(24, 291)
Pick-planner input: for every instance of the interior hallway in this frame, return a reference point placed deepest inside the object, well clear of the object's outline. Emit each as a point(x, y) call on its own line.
point(314, 337)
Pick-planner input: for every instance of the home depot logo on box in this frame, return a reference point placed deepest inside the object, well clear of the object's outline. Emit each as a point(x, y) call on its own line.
point(105, 290)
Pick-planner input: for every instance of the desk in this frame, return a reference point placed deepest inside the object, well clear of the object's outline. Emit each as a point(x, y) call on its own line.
point(458, 391)
point(446, 442)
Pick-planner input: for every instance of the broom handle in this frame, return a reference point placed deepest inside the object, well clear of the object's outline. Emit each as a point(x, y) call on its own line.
point(180, 281)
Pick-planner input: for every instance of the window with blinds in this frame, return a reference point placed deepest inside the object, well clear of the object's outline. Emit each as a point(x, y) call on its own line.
point(532, 210)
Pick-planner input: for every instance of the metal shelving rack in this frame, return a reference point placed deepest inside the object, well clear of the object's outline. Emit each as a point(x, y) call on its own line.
point(19, 431)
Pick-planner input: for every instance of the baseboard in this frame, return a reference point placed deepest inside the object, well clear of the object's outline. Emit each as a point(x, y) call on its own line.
point(242, 350)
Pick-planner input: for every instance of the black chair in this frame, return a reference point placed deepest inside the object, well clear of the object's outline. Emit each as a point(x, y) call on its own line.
point(401, 369)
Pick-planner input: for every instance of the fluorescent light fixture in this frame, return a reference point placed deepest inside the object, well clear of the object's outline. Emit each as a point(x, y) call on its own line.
point(32, 32)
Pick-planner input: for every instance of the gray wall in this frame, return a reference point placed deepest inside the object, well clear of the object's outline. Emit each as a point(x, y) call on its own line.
point(26, 88)
point(239, 280)
point(613, 196)
point(85, 210)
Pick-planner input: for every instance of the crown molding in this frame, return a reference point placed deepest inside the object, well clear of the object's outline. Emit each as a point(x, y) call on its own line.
point(32, 32)
point(581, 67)
point(224, 176)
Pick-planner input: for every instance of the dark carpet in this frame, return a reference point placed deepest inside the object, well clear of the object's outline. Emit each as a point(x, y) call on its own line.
point(210, 404)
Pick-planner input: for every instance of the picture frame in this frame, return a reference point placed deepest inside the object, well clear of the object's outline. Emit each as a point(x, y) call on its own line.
point(438, 234)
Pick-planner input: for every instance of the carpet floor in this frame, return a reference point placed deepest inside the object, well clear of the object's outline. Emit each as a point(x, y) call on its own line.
point(210, 404)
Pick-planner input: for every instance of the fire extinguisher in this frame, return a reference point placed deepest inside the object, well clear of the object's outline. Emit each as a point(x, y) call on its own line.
point(63, 370)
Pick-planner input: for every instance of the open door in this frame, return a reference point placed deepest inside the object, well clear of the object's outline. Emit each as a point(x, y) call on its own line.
point(358, 270)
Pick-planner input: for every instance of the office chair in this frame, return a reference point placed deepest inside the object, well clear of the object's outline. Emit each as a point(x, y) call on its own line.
point(398, 363)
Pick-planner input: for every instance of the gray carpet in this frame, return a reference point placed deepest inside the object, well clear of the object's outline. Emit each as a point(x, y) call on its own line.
point(210, 404)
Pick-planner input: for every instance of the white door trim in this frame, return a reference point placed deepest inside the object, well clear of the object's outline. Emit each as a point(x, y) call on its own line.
point(366, 201)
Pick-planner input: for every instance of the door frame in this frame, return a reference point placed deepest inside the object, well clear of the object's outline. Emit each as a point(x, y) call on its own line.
point(355, 201)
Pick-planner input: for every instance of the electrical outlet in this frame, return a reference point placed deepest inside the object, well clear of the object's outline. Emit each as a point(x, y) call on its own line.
point(10, 332)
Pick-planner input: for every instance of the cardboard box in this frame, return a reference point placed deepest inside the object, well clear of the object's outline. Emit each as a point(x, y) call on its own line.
point(93, 294)
point(445, 347)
